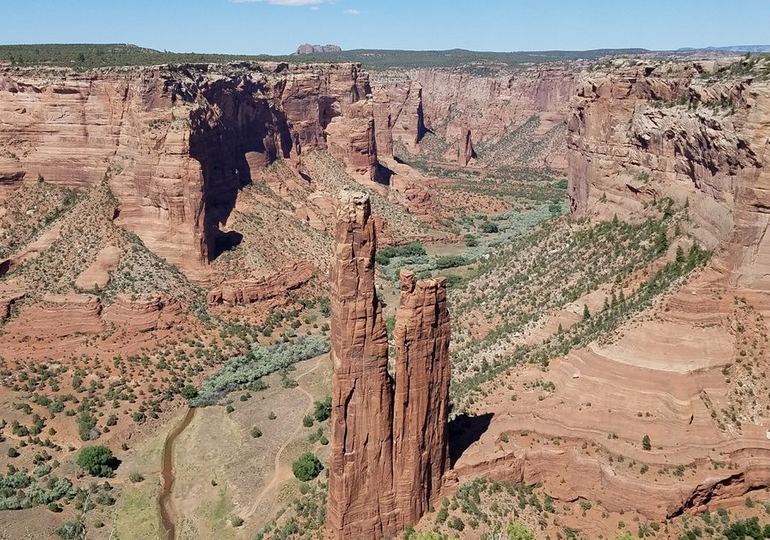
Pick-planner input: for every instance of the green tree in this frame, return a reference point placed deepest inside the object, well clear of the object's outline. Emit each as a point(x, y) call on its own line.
point(306, 467)
point(586, 313)
point(97, 461)
point(646, 444)
point(189, 392)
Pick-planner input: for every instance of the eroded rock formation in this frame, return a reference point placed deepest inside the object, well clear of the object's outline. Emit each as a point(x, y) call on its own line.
point(176, 143)
point(388, 445)
point(684, 130)
point(420, 447)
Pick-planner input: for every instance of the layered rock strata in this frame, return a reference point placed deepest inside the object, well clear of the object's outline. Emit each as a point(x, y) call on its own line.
point(265, 288)
point(693, 131)
point(388, 445)
point(176, 143)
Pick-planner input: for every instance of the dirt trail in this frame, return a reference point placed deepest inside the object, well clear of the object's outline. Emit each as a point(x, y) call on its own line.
point(165, 500)
point(280, 474)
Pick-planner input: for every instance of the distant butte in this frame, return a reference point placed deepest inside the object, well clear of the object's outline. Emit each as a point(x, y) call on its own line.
point(307, 48)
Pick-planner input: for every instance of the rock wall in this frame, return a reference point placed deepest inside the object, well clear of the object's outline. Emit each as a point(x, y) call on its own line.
point(388, 445)
point(177, 143)
point(693, 131)
point(453, 103)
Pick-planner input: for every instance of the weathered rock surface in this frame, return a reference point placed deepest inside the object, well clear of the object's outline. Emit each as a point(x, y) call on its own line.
point(143, 314)
point(256, 290)
point(667, 129)
point(387, 459)
point(177, 143)
point(452, 102)
point(361, 502)
point(97, 275)
point(307, 48)
point(59, 315)
point(420, 446)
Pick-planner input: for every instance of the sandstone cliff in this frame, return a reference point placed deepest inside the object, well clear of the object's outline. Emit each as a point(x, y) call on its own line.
point(388, 446)
point(696, 132)
point(491, 107)
point(178, 142)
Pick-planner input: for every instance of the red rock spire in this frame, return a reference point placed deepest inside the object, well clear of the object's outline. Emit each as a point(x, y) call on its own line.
point(387, 460)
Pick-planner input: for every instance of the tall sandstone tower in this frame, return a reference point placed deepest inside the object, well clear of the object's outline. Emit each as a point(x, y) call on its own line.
point(388, 442)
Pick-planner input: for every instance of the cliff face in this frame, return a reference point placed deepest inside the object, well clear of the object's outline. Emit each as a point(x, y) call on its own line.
point(696, 132)
point(459, 105)
point(177, 143)
point(420, 449)
point(388, 446)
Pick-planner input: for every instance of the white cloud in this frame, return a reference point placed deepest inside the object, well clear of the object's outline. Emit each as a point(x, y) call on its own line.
point(282, 2)
point(351, 12)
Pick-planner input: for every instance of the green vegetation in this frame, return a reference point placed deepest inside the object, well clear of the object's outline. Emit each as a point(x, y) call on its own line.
point(245, 371)
point(97, 461)
point(323, 409)
point(510, 288)
point(84, 56)
point(646, 445)
point(306, 467)
point(385, 254)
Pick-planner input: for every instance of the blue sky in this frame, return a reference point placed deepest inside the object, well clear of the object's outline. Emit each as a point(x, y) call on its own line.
point(278, 26)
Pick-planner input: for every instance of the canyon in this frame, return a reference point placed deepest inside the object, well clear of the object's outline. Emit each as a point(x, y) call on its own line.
point(595, 230)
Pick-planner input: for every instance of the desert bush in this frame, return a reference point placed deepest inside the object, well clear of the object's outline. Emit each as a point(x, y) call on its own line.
point(306, 467)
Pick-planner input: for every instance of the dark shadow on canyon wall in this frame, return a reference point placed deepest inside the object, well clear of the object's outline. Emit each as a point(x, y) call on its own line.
point(465, 430)
point(236, 132)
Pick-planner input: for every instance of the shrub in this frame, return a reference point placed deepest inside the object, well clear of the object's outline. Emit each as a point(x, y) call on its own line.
point(256, 432)
point(246, 371)
point(646, 444)
point(323, 409)
point(307, 421)
point(517, 531)
point(450, 261)
point(471, 241)
point(87, 427)
point(12, 452)
point(135, 477)
point(189, 392)
point(490, 227)
point(237, 521)
point(71, 530)
point(97, 461)
point(306, 467)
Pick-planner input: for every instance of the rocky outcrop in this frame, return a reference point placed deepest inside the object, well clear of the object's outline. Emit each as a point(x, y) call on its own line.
point(143, 314)
point(361, 501)
point(388, 446)
point(176, 143)
point(465, 151)
point(256, 290)
point(696, 132)
point(420, 446)
point(307, 48)
point(97, 275)
point(58, 316)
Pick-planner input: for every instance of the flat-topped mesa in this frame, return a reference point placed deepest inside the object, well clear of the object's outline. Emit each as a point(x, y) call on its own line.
point(387, 461)
point(420, 448)
point(360, 501)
